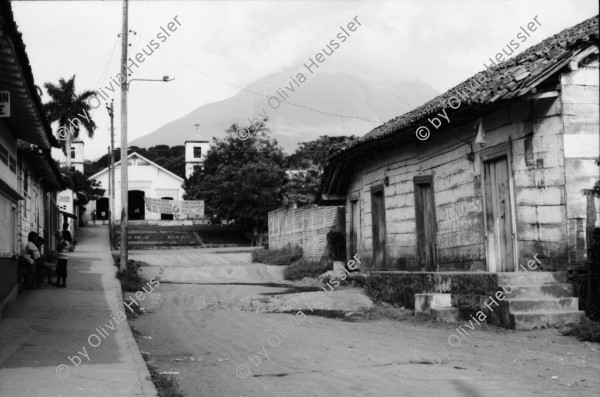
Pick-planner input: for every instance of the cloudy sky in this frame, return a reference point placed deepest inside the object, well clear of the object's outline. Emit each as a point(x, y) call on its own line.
point(223, 45)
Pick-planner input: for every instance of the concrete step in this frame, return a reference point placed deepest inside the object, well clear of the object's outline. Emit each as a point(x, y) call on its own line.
point(562, 290)
point(445, 314)
point(159, 243)
point(426, 302)
point(542, 305)
point(524, 321)
point(526, 278)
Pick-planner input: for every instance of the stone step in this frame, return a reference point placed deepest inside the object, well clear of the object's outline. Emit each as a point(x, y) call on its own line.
point(526, 278)
point(525, 320)
point(143, 242)
point(445, 314)
point(542, 305)
point(562, 290)
point(161, 238)
point(426, 302)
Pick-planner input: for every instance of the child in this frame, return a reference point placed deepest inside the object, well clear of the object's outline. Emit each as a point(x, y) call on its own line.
point(63, 257)
point(41, 264)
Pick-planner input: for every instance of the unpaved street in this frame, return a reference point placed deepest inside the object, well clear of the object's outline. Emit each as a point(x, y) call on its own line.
point(222, 323)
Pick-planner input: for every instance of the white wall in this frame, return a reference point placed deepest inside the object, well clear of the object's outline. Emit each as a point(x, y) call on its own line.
point(153, 181)
point(190, 160)
point(77, 162)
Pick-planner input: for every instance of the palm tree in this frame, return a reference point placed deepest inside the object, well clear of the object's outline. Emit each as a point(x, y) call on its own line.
point(72, 111)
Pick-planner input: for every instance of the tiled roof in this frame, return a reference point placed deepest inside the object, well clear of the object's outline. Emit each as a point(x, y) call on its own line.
point(507, 80)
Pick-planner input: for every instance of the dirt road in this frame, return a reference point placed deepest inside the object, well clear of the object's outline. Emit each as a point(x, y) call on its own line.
point(222, 340)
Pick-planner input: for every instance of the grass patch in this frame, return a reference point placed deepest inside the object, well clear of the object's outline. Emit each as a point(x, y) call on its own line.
point(131, 281)
point(166, 385)
point(278, 257)
point(587, 331)
point(305, 268)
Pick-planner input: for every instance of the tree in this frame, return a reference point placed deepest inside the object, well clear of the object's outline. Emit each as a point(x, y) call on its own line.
point(315, 152)
point(302, 185)
point(87, 190)
point(70, 110)
point(241, 179)
point(306, 167)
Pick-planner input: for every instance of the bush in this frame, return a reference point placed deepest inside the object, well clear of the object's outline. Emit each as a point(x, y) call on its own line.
point(131, 281)
point(278, 257)
point(166, 385)
point(587, 331)
point(305, 268)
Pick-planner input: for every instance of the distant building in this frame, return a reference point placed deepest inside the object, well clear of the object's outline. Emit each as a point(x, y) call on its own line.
point(77, 151)
point(195, 153)
point(146, 179)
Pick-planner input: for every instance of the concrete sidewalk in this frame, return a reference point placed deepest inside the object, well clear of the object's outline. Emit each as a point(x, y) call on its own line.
point(46, 336)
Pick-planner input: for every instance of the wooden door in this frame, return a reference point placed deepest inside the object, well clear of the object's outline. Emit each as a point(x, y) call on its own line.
point(426, 225)
point(354, 226)
point(498, 216)
point(378, 218)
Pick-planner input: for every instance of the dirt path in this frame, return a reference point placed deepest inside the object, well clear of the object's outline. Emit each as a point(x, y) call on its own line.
point(207, 332)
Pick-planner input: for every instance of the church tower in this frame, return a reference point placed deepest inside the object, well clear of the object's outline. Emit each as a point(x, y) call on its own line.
point(195, 153)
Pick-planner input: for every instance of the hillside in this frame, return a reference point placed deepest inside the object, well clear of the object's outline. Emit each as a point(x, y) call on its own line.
point(358, 95)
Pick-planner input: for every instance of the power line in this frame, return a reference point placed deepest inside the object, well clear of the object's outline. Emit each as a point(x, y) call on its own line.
point(106, 67)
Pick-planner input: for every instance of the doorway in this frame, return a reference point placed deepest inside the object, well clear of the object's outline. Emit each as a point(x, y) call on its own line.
point(137, 206)
point(379, 232)
point(498, 213)
point(166, 217)
point(102, 209)
point(426, 223)
point(354, 225)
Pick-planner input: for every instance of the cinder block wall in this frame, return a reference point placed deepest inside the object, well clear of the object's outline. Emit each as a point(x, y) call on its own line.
point(306, 227)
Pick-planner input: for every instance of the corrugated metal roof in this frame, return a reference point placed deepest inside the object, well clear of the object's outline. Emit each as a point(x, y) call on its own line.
point(28, 120)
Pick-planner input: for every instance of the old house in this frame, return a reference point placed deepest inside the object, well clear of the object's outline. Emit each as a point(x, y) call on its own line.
point(494, 180)
point(29, 178)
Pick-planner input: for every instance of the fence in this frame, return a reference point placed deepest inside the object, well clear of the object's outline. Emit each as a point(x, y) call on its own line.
point(306, 227)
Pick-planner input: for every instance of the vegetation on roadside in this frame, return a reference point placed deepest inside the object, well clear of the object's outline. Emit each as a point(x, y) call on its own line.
point(307, 268)
point(166, 385)
point(587, 331)
point(278, 257)
point(131, 281)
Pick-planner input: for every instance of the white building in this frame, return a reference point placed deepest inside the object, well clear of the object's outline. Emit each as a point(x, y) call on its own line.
point(76, 156)
point(146, 179)
point(195, 153)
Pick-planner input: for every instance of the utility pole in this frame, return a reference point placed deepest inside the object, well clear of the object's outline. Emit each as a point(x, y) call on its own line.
point(124, 179)
point(111, 113)
point(110, 189)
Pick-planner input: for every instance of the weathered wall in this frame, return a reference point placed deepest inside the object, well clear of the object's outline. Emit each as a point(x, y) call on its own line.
point(580, 92)
point(32, 210)
point(306, 227)
point(537, 179)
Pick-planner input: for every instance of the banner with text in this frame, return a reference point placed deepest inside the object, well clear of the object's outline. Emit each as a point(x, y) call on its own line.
point(176, 207)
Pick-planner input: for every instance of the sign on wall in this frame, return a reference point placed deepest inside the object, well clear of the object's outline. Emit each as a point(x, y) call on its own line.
point(176, 207)
point(4, 103)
